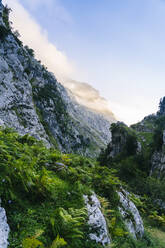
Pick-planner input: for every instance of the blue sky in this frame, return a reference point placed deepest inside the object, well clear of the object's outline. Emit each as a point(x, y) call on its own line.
point(118, 46)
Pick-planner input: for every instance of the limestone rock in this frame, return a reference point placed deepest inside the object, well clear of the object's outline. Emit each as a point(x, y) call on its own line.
point(4, 228)
point(99, 231)
point(130, 214)
point(158, 163)
point(123, 141)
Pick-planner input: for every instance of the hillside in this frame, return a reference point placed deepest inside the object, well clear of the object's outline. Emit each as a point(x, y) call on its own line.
point(137, 155)
point(56, 188)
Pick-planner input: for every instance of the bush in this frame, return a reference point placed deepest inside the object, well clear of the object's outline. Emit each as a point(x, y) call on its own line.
point(3, 32)
point(30, 51)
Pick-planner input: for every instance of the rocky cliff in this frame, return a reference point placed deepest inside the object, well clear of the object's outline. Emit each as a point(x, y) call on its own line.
point(53, 199)
point(32, 101)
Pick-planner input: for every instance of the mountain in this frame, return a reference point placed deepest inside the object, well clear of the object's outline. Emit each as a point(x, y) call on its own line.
point(49, 199)
point(32, 101)
point(137, 153)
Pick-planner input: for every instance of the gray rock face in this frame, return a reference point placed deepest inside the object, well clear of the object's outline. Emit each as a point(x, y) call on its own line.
point(2, 123)
point(139, 147)
point(164, 137)
point(4, 228)
point(131, 216)
point(17, 109)
point(123, 141)
point(33, 102)
point(158, 163)
point(99, 231)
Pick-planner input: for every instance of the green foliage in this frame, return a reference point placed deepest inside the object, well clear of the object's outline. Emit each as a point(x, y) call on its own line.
point(5, 16)
point(70, 223)
point(155, 188)
point(124, 139)
point(40, 194)
point(158, 219)
point(158, 236)
point(58, 242)
point(161, 106)
point(158, 133)
point(3, 32)
point(44, 200)
point(114, 222)
point(130, 145)
point(31, 243)
point(30, 51)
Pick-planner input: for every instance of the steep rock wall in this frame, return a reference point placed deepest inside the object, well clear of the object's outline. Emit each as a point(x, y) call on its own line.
point(32, 101)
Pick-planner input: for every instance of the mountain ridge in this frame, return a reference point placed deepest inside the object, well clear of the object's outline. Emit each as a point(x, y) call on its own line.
point(51, 199)
point(34, 102)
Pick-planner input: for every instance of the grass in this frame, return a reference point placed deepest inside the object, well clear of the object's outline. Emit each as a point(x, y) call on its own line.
point(158, 235)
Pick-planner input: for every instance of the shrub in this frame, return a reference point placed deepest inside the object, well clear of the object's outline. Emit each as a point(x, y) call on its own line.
point(30, 51)
point(3, 32)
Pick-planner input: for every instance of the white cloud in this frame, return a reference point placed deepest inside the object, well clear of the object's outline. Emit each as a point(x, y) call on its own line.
point(86, 95)
point(57, 62)
point(35, 37)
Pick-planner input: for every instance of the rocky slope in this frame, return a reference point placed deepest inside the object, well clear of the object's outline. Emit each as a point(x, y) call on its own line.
point(53, 199)
point(32, 101)
point(151, 131)
point(57, 200)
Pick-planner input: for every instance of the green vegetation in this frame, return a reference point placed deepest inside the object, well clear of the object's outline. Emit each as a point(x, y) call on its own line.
point(3, 32)
point(158, 236)
point(30, 51)
point(158, 133)
point(42, 189)
point(5, 17)
point(50, 96)
point(44, 201)
point(133, 168)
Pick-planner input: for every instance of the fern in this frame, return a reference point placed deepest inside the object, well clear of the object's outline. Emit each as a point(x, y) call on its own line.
point(58, 242)
point(69, 223)
point(32, 243)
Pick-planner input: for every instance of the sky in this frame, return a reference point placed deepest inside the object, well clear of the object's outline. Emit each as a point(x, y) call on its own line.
point(116, 46)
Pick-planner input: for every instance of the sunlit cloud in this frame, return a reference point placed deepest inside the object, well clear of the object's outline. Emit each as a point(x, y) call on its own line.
point(35, 37)
point(56, 61)
point(86, 95)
